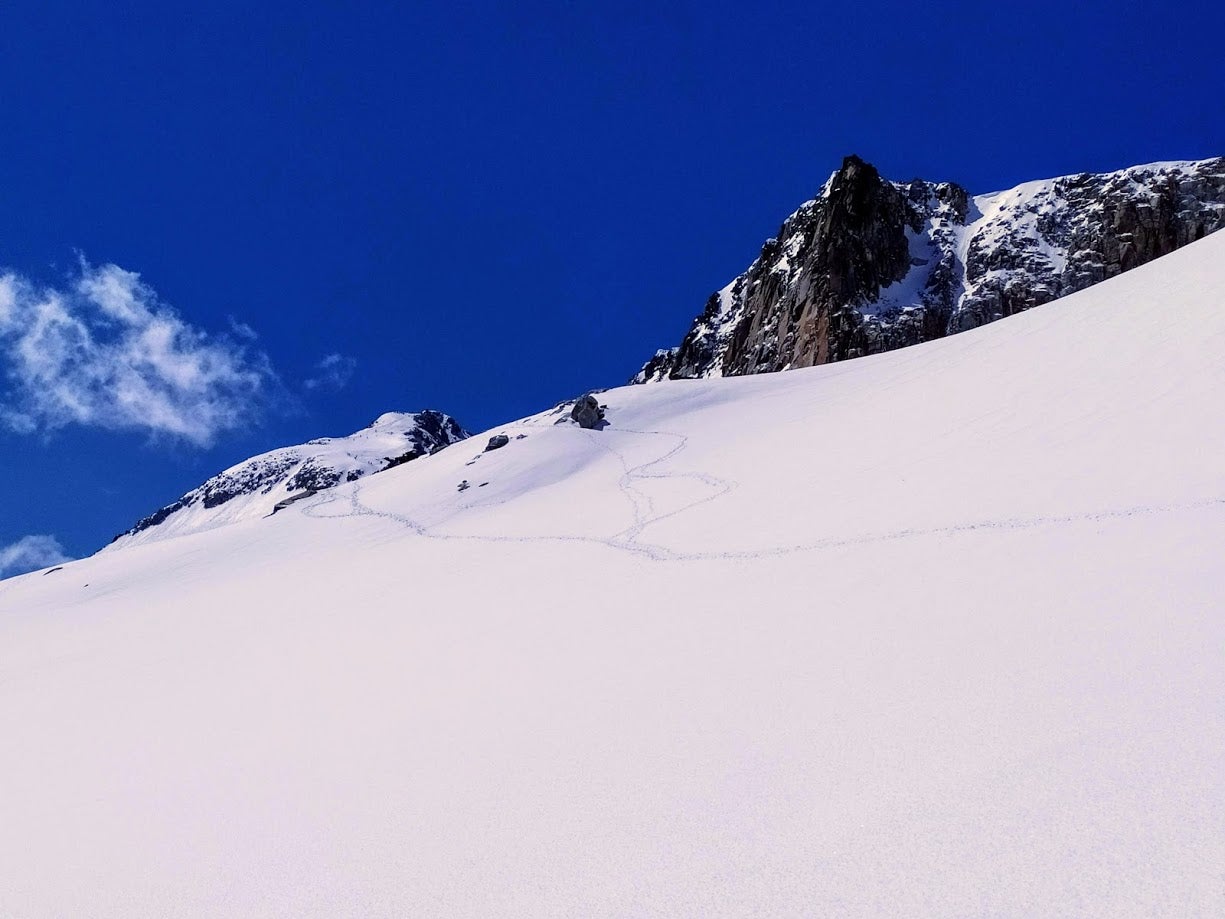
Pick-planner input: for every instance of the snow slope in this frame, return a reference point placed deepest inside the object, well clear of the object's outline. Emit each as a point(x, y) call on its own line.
point(264, 484)
point(932, 633)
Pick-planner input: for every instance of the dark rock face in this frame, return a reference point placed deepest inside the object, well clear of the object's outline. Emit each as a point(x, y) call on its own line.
point(1083, 229)
point(872, 265)
point(587, 412)
point(497, 442)
point(432, 430)
point(665, 359)
point(244, 480)
point(314, 475)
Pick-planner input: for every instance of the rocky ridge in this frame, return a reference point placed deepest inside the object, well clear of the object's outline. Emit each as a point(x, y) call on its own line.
point(257, 486)
point(871, 265)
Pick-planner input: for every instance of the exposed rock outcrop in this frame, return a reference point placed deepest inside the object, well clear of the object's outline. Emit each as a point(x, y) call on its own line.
point(872, 265)
point(587, 412)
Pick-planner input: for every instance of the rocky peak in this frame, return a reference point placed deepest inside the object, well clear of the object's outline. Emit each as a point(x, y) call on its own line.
point(870, 265)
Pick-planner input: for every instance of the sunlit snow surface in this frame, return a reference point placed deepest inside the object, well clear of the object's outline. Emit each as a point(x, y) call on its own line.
point(257, 486)
point(932, 633)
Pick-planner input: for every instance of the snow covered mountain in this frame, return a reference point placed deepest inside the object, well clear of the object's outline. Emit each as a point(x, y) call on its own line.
point(872, 265)
point(264, 484)
point(924, 634)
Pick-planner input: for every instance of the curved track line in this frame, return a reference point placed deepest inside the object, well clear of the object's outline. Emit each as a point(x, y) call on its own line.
point(643, 508)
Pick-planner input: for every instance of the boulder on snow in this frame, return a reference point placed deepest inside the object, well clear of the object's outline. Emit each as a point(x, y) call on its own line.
point(497, 442)
point(587, 412)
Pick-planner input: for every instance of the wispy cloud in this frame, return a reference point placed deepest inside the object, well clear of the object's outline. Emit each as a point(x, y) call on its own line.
point(29, 554)
point(242, 330)
point(332, 373)
point(105, 352)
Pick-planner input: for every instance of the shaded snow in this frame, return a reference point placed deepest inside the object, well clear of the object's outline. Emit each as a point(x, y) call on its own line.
point(908, 292)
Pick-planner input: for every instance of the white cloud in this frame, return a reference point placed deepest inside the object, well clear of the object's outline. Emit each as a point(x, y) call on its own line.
point(105, 352)
point(332, 373)
point(29, 554)
point(242, 330)
point(8, 299)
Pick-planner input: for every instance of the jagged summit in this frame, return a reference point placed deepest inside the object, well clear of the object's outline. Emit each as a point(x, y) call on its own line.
point(255, 487)
point(870, 265)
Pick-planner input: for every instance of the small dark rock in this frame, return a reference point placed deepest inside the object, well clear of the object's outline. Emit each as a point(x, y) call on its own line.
point(587, 412)
point(497, 442)
point(463, 486)
point(292, 499)
point(393, 461)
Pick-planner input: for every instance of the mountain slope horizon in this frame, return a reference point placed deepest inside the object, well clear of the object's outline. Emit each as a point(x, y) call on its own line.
point(866, 267)
point(262, 485)
point(931, 632)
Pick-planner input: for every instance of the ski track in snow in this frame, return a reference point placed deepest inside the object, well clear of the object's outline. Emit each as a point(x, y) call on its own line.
point(639, 499)
point(643, 507)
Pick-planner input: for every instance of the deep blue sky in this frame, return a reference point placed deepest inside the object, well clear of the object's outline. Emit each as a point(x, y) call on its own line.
point(487, 207)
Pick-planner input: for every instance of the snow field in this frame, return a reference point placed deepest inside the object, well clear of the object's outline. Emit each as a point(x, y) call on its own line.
point(936, 632)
